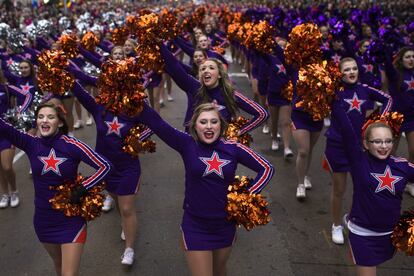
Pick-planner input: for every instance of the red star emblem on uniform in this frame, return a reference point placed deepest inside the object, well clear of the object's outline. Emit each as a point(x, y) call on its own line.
point(281, 69)
point(9, 62)
point(28, 56)
point(368, 68)
point(410, 83)
point(51, 162)
point(355, 103)
point(386, 181)
point(325, 45)
point(214, 164)
point(336, 58)
point(114, 127)
point(26, 87)
point(351, 37)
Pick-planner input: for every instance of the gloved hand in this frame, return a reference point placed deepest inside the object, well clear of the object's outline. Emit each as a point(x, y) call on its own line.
point(77, 194)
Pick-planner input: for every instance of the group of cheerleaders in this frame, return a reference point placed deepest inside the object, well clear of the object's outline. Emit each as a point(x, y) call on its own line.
point(379, 178)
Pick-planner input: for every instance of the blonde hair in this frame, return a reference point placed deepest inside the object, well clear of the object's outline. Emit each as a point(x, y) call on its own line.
point(206, 107)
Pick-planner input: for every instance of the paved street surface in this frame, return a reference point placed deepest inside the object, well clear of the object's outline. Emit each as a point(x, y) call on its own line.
point(295, 242)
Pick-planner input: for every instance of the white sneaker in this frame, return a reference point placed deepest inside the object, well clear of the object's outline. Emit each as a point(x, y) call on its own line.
point(123, 235)
point(108, 203)
point(71, 134)
point(275, 145)
point(4, 201)
point(301, 191)
point(288, 153)
point(128, 256)
point(169, 98)
point(409, 188)
point(30, 171)
point(308, 184)
point(337, 234)
point(14, 199)
point(326, 122)
point(278, 136)
point(78, 124)
point(89, 121)
point(265, 129)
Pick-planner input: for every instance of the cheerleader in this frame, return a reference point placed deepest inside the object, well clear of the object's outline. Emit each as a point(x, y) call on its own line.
point(378, 180)
point(210, 164)
point(10, 195)
point(400, 75)
point(123, 183)
point(54, 158)
point(355, 98)
point(213, 85)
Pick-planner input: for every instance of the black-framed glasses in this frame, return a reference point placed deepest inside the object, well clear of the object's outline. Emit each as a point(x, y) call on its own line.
point(378, 142)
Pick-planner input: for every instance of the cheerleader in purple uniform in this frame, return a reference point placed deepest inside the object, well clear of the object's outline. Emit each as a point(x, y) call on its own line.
point(214, 88)
point(210, 165)
point(379, 180)
point(10, 195)
point(54, 158)
point(123, 182)
point(355, 98)
point(279, 107)
point(400, 75)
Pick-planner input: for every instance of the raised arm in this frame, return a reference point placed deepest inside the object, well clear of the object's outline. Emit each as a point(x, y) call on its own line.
point(27, 96)
point(171, 136)
point(257, 111)
point(18, 138)
point(379, 96)
point(249, 158)
point(172, 66)
point(82, 76)
point(93, 58)
point(85, 98)
point(90, 157)
point(185, 46)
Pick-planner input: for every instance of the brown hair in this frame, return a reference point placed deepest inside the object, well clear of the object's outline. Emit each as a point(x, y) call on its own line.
point(398, 63)
point(369, 129)
point(205, 107)
point(226, 89)
point(118, 47)
point(345, 59)
point(194, 67)
point(60, 112)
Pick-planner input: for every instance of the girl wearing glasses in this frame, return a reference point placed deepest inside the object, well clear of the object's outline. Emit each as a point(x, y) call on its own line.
point(355, 98)
point(379, 180)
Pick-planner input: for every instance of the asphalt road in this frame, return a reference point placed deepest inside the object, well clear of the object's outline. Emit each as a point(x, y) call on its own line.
point(295, 242)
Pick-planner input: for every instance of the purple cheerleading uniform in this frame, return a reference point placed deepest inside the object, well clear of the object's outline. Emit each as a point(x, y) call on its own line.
point(25, 84)
point(377, 194)
point(263, 73)
point(111, 131)
point(209, 169)
point(54, 160)
point(355, 99)
point(278, 78)
point(402, 92)
point(5, 92)
point(190, 86)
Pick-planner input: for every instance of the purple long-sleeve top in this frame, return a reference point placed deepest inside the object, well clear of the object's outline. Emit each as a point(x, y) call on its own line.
point(209, 168)
point(190, 85)
point(355, 99)
point(369, 74)
point(93, 57)
point(6, 91)
point(278, 76)
point(25, 84)
point(378, 184)
point(54, 160)
point(111, 130)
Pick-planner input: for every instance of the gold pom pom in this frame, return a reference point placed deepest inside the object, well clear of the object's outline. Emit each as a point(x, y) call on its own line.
point(69, 45)
point(90, 206)
point(233, 129)
point(246, 209)
point(132, 144)
point(403, 234)
point(392, 119)
point(89, 41)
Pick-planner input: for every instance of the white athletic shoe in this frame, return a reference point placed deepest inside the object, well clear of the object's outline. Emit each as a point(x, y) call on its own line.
point(78, 124)
point(128, 256)
point(108, 203)
point(327, 122)
point(169, 98)
point(265, 129)
point(14, 199)
point(337, 234)
point(275, 145)
point(288, 153)
point(301, 191)
point(4, 201)
point(278, 136)
point(89, 121)
point(123, 235)
point(308, 184)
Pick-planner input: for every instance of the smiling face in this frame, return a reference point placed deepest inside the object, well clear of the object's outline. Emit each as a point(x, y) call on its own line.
point(349, 70)
point(48, 122)
point(209, 73)
point(379, 142)
point(408, 60)
point(25, 69)
point(129, 47)
point(198, 57)
point(208, 126)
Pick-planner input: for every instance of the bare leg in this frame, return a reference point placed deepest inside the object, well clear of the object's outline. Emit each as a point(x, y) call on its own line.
point(200, 263)
point(366, 270)
point(337, 195)
point(71, 257)
point(302, 140)
point(7, 156)
point(285, 121)
point(220, 258)
point(55, 252)
point(126, 205)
